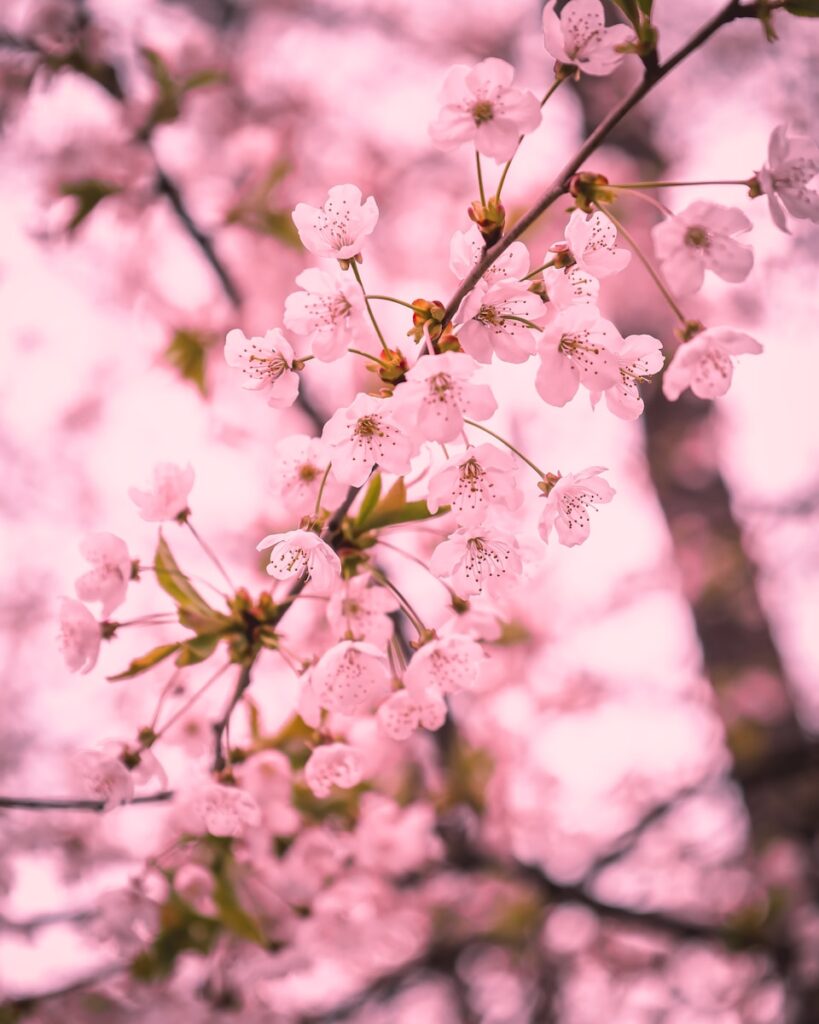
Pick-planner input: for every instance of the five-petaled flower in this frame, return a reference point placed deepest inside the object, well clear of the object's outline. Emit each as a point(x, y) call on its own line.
point(568, 503)
point(350, 677)
point(786, 179)
point(705, 363)
point(478, 559)
point(437, 394)
point(496, 317)
point(265, 363)
point(362, 434)
point(80, 636)
point(337, 230)
point(333, 764)
point(473, 482)
point(107, 582)
point(638, 356)
point(169, 497)
point(327, 312)
point(579, 37)
point(576, 348)
point(302, 553)
point(592, 242)
point(299, 467)
point(700, 239)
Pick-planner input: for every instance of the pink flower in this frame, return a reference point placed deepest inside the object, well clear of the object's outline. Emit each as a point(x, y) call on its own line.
point(299, 465)
point(403, 712)
point(338, 229)
point(492, 314)
point(568, 502)
point(350, 678)
point(576, 348)
point(104, 777)
point(467, 248)
point(80, 636)
point(477, 559)
point(361, 612)
point(793, 164)
point(107, 582)
point(699, 239)
point(592, 243)
point(704, 364)
point(571, 287)
point(437, 395)
point(362, 434)
point(169, 497)
point(265, 363)
point(638, 357)
point(327, 312)
point(449, 664)
point(472, 482)
point(394, 840)
point(480, 104)
point(579, 36)
point(333, 764)
point(302, 553)
point(226, 810)
point(195, 885)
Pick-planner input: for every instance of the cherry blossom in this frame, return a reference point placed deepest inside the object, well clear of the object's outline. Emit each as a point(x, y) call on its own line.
point(265, 363)
point(568, 502)
point(477, 559)
point(333, 764)
point(491, 316)
point(466, 250)
point(789, 177)
point(592, 243)
point(699, 239)
point(359, 611)
point(104, 777)
point(395, 840)
point(268, 778)
point(480, 105)
point(705, 363)
point(437, 395)
point(350, 677)
point(404, 711)
point(639, 357)
point(195, 885)
point(327, 312)
point(337, 229)
point(299, 465)
point(578, 37)
point(80, 636)
point(225, 810)
point(301, 553)
point(363, 434)
point(576, 348)
point(107, 582)
point(169, 497)
point(449, 664)
point(472, 482)
point(570, 287)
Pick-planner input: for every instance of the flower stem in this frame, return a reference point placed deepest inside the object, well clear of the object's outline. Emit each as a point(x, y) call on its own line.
point(366, 355)
point(521, 320)
point(409, 611)
point(511, 447)
point(508, 163)
point(188, 703)
point(674, 184)
point(664, 210)
point(538, 270)
point(399, 302)
point(321, 488)
point(480, 177)
point(374, 322)
point(210, 553)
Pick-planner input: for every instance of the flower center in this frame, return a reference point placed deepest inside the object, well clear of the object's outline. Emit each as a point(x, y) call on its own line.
point(488, 315)
point(482, 112)
point(308, 473)
point(368, 426)
point(698, 238)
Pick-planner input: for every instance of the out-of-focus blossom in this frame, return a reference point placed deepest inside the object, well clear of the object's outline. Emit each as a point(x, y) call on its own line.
point(473, 482)
point(350, 677)
point(327, 312)
point(568, 503)
point(478, 559)
point(592, 241)
point(302, 553)
point(195, 885)
point(337, 230)
point(466, 249)
point(705, 363)
point(359, 611)
point(169, 497)
point(226, 810)
point(449, 664)
point(404, 711)
point(638, 357)
point(576, 348)
point(437, 394)
point(125, 917)
point(579, 36)
point(104, 777)
point(393, 840)
point(299, 463)
point(363, 434)
point(79, 637)
point(333, 764)
point(481, 105)
point(699, 239)
point(492, 316)
point(789, 177)
point(265, 363)
point(107, 582)
point(268, 777)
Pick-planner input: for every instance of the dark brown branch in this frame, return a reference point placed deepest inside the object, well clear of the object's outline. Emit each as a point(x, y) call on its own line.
point(47, 804)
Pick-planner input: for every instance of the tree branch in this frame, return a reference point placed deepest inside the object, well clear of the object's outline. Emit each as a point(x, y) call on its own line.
point(47, 804)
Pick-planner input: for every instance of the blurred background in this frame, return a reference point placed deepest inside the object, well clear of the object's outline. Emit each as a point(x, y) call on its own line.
point(645, 752)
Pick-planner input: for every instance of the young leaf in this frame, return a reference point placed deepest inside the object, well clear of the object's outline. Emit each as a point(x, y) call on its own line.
point(370, 499)
point(187, 353)
point(409, 512)
point(803, 8)
point(174, 582)
point(146, 661)
point(88, 192)
point(200, 648)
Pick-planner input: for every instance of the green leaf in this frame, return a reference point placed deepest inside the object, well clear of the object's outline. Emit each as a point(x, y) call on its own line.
point(166, 107)
point(645, 6)
point(202, 78)
point(233, 916)
point(200, 648)
point(146, 661)
point(174, 582)
point(410, 512)
point(187, 354)
point(88, 192)
point(630, 9)
point(803, 8)
point(370, 499)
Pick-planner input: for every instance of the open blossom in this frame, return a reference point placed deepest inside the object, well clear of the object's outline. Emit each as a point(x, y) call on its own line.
point(480, 105)
point(705, 363)
point(638, 358)
point(576, 348)
point(361, 612)
point(107, 582)
point(403, 712)
point(225, 810)
point(789, 177)
point(169, 497)
point(79, 637)
point(302, 553)
point(350, 678)
point(492, 315)
point(327, 312)
point(477, 559)
point(700, 239)
point(472, 482)
point(568, 503)
point(337, 230)
point(333, 764)
point(104, 777)
point(449, 664)
point(299, 463)
point(363, 434)
point(570, 287)
point(395, 840)
point(579, 36)
point(437, 395)
point(265, 363)
point(592, 241)
point(466, 249)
